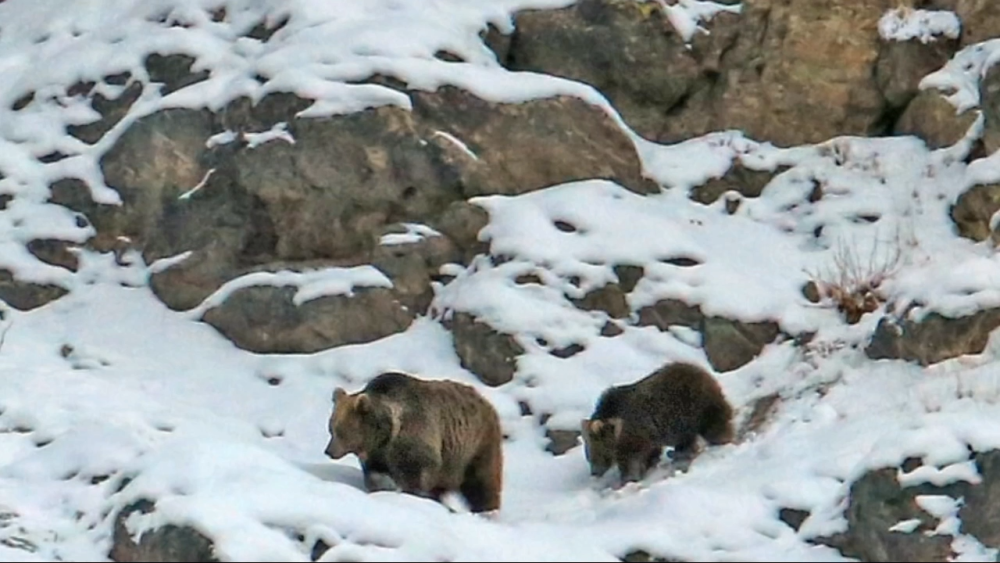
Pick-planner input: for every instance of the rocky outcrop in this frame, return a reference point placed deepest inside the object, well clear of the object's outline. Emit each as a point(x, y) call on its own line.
point(236, 203)
point(973, 211)
point(934, 119)
point(878, 504)
point(266, 319)
point(180, 544)
point(489, 354)
point(933, 339)
point(836, 75)
point(989, 102)
point(24, 295)
point(739, 178)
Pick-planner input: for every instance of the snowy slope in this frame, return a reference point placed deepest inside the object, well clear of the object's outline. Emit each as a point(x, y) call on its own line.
point(147, 402)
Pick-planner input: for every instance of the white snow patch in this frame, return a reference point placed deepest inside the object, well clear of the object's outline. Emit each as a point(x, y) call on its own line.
point(906, 24)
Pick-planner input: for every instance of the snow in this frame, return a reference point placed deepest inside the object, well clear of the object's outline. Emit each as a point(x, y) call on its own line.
point(906, 24)
point(107, 396)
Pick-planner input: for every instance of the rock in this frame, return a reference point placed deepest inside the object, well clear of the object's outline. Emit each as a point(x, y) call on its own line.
point(877, 502)
point(25, 296)
point(265, 319)
point(628, 276)
point(824, 56)
point(55, 252)
point(933, 339)
point(112, 111)
point(932, 118)
point(489, 354)
point(169, 543)
point(731, 344)
point(810, 290)
point(669, 312)
point(738, 178)
point(462, 221)
point(793, 517)
point(610, 330)
point(989, 103)
point(761, 412)
point(231, 208)
point(980, 19)
point(412, 266)
point(173, 71)
point(973, 211)
point(632, 36)
point(527, 146)
point(643, 556)
point(903, 64)
point(609, 298)
point(561, 441)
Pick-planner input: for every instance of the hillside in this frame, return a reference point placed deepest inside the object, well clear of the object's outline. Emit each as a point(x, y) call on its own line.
point(214, 212)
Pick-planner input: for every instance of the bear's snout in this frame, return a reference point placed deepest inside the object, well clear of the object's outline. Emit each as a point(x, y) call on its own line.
point(333, 450)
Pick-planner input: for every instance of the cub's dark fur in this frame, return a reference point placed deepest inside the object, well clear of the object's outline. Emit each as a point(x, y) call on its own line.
point(672, 406)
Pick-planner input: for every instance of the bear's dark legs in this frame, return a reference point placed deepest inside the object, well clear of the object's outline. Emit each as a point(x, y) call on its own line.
point(483, 480)
point(377, 476)
point(413, 466)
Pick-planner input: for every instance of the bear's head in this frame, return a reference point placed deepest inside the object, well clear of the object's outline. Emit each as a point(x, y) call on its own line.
point(347, 424)
point(599, 440)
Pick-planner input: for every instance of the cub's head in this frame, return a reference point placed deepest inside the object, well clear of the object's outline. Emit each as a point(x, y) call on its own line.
point(599, 440)
point(347, 424)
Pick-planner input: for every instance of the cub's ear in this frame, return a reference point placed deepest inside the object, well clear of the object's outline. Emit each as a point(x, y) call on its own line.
point(363, 404)
point(595, 426)
point(338, 394)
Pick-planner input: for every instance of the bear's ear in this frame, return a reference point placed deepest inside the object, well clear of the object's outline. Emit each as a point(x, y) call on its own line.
point(362, 404)
point(338, 394)
point(594, 426)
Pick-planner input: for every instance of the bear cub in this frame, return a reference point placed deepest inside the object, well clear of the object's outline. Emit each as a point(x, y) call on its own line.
point(633, 423)
point(426, 437)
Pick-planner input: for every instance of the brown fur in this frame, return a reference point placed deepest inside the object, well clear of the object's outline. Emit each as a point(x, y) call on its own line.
point(428, 437)
point(672, 406)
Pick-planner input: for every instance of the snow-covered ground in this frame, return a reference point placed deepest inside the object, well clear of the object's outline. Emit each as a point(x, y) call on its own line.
point(107, 396)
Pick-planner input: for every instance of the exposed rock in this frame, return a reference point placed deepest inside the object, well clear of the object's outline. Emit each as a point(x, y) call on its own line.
point(489, 354)
point(628, 276)
point(461, 221)
point(25, 296)
point(824, 57)
point(933, 339)
point(932, 118)
point(669, 312)
point(642, 64)
point(731, 344)
point(55, 252)
point(793, 517)
point(610, 330)
point(810, 290)
point(74, 194)
point(609, 298)
point(265, 319)
point(989, 103)
point(561, 441)
point(973, 210)
point(412, 266)
point(524, 147)
point(739, 178)
point(878, 502)
point(761, 412)
point(643, 556)
point(903, 64)
point(567, 351)
point(170, 543)
point(112, 111)
point(173, 71)
point(980, 19)
point(233, 208)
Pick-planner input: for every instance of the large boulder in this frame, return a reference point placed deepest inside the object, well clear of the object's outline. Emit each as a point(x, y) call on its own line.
point(785, 72)
point(934, 119)
point(989, 102)
point(888, 520)
point(934, 338)
point(489, 354)
point(973, 211)
point(181, 544)
point(211, 201)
